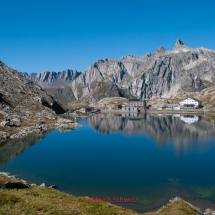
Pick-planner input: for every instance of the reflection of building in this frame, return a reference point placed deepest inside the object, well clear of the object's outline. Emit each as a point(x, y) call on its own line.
point(176, 115)
point(191, 103)
point(134, 116)
point(189, 119)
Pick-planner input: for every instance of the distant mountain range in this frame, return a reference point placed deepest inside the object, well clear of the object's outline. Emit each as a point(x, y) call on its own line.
point(161, 74)
point(53, 79)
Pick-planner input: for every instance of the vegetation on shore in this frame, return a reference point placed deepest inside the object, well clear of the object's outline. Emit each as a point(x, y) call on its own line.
point(43, 200)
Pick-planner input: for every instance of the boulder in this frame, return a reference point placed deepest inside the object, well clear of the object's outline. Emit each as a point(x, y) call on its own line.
point(14, 185)
point(5, 123)
point(4, 136)
point(15, 122)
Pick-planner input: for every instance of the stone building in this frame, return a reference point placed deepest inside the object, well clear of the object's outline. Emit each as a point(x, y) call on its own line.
point(135, 105)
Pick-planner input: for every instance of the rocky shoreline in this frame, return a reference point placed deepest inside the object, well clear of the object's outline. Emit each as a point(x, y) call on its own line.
point(18, 183)
point(60, 124)
point(14, 182)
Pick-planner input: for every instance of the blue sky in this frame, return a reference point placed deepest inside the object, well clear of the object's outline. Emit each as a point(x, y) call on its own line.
point(53, 35)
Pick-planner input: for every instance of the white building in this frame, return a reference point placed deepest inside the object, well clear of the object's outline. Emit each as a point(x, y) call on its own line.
point(191, 102)
point(176, 108)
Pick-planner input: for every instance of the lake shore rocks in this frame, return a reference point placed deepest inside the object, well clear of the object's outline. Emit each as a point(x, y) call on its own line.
point(15, 129)
point(14, 182)
point(66, 124)
point(29, 130)
point(14, 185)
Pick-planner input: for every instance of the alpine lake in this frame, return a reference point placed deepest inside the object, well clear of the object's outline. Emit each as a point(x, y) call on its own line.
point(150, 157)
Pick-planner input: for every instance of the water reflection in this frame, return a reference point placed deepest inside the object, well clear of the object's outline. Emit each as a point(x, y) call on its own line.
point(12, 148)
point(180, 129)
point(88, 163)
point(190, 119)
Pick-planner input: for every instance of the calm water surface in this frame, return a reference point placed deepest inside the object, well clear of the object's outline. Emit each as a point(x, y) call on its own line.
point(152, 158)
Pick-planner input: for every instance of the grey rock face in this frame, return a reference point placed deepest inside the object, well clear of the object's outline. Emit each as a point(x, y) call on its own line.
point(167, 73)
point(20, 97)
point(113, 70)
point(179, 45)
point(54, 79)
point(102, 74)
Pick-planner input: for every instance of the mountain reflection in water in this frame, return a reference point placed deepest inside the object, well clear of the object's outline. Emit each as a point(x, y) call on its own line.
point(181, 129)
point(12, 148)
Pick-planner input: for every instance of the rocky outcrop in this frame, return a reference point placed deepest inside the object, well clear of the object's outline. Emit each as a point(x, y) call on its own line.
point(14, 185)
point(54, 79)
point(14, 182)
point(11, 120)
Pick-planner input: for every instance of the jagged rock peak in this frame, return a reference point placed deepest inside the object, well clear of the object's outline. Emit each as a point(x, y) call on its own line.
point(180, 45)
point(49, 79)
point(133, 57)
point(160, 50)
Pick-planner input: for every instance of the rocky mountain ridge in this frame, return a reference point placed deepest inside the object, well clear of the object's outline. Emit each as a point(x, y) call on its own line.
point(54, 79)
point(174, 72)
point(102, 76)
point(159, 75)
